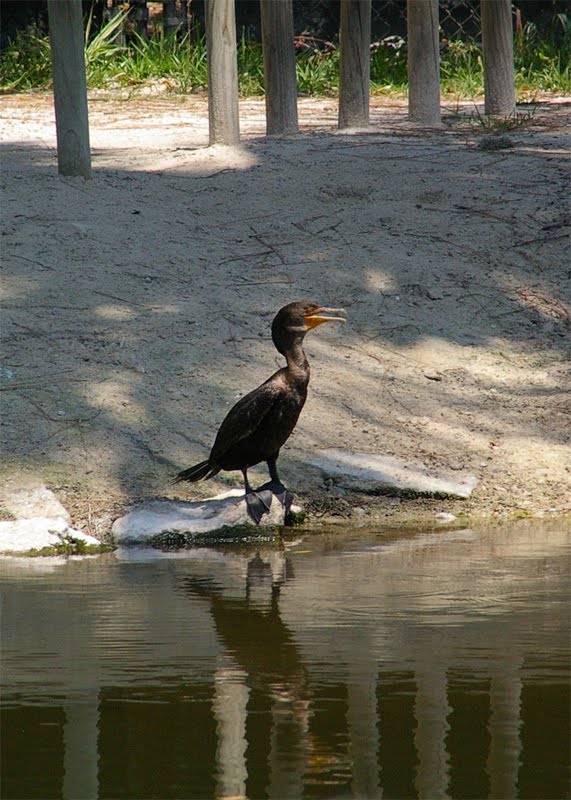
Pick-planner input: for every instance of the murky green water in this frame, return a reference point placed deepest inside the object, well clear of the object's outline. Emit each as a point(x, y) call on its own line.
point(356, 665)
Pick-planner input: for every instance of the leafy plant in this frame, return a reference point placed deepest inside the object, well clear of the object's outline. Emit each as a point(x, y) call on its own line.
point(317, 66)
point(102, 49)
point(250, 67)
point(26, 63)
point(541, 61)
point(462, 68)
point(493, 124)
point(389, 64)
point(67, 545)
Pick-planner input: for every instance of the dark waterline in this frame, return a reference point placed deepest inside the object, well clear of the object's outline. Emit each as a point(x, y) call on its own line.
point(361, 665)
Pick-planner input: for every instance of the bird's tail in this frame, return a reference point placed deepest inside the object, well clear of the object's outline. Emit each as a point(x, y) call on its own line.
point(201, 471)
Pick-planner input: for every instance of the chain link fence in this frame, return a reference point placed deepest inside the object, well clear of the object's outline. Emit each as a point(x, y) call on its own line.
point(318, 19)
point(459, 19)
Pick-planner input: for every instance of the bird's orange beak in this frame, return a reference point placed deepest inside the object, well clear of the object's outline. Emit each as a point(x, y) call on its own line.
point(321, 314)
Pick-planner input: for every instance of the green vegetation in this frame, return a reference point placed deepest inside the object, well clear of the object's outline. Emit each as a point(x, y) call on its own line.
point(544, 63)
point(68, 545)
point(227, 534)
point(26, 63)
point(541, 61)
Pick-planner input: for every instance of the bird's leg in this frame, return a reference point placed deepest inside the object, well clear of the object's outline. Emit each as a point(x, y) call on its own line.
point(273, 468)
point(276, 487)
point(257, 502)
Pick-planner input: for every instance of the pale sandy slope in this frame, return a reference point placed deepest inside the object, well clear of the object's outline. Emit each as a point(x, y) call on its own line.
point(137, 305)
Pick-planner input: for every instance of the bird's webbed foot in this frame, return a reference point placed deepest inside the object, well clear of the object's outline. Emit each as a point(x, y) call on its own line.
point(279, 491)
point(258, 503)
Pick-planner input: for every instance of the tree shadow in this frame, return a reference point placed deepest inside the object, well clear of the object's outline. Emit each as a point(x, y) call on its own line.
point(138, 304)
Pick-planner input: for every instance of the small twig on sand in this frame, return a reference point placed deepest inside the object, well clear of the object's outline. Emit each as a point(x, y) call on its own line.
point(246, 255)
point(32, 261)
point(115, 297)
point(541, 240)
point(272, 247)
point(287, 282)
point(485, 213)
point(68, 420)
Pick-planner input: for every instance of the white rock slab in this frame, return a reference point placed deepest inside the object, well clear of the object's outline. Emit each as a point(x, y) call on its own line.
point(376, 473)
point(32, 500)
point(41, 520)
point(156, 517)
point(35, 533)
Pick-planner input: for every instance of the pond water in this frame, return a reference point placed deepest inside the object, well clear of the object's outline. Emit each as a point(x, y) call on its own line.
point(358, 664)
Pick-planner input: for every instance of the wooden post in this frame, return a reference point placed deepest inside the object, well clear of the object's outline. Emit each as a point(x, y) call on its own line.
point(355, 63)
point(139, 14)
point(112, 11)
point(171, 20)
point(423, 61)
point(497, 46)
point(223, 117)
point(184, 15)
point(279, 66)
point(70, 87)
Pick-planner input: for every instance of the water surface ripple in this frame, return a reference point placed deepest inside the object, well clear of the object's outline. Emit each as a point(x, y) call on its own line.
point(348, 664)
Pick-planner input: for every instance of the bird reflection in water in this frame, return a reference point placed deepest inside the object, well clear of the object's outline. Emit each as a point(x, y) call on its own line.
point(261, 670)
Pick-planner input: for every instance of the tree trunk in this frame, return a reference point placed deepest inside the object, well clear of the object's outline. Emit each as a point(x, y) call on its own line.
point(279, 66)
point(423, 61)
point(355, 63)
point(223, 117)
point(70, 89)
point(497, 46)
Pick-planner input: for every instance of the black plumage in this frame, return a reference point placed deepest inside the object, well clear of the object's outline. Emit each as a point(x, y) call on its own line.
point(255, 429)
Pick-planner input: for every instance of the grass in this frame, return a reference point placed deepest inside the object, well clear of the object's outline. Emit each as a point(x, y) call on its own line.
point(492, 124)
point(68, 545)
point(542, 62)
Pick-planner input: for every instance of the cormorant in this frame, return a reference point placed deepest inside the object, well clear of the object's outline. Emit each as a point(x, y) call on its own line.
point(255, 429)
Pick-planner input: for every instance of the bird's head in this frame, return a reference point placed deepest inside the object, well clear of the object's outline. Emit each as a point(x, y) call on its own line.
point(293, 321)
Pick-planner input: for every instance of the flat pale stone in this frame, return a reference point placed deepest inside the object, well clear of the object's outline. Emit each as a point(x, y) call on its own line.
point(32, 500)
point(445, 516)
point(35, 533)
point(376, 473)
point(156, 517)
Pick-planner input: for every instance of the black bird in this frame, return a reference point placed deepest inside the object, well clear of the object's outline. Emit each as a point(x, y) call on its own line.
point(255, 429)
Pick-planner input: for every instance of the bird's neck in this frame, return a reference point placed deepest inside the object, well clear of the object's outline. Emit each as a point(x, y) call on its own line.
point(297, 364)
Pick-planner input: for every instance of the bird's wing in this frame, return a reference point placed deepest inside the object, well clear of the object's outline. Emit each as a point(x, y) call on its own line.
point(243, 418)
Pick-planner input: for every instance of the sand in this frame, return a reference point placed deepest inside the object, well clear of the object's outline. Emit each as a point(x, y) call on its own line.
point(137, 304)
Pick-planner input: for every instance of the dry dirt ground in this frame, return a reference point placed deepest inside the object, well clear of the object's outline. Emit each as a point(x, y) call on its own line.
point(137, 304)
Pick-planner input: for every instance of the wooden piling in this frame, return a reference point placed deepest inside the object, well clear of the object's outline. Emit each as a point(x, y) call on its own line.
point(497, 48)
point(70, 87)
point(355, 63)
point(423, 62)
point(139, 15)
point(223, 117)
point(279, 66)
point(172, 21)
